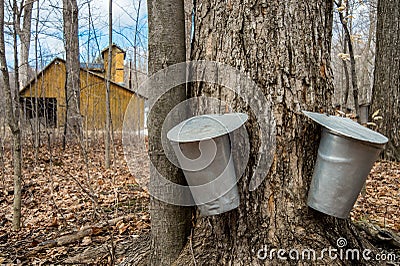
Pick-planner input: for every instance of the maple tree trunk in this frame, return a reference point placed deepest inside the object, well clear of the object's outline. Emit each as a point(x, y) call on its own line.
point(386, 89)
point(285, 49)
point(170, 224)
point(72, 127)
point(12, 114)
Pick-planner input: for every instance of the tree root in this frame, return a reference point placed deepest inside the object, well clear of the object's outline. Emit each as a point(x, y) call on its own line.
point(378, 235)
point(76, 236)
point(134, 252)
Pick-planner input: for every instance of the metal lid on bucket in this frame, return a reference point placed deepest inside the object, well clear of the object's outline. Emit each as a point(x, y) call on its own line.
point(206, 127)
point(347, 127)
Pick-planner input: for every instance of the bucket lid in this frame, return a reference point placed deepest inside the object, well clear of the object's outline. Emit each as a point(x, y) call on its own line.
point(347, 127)
point(205, 127)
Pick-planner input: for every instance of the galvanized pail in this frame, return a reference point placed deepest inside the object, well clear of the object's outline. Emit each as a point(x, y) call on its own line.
point(346, 154)
point(203, 149)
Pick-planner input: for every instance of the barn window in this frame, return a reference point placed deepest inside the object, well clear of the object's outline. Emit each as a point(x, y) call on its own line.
point(46, 110)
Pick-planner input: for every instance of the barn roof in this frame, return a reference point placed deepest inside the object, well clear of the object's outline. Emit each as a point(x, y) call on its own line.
point(59, 60)
point(93, 66)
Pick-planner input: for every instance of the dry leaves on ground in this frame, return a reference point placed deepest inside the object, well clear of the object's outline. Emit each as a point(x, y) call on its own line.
point(69, 193)
point(381, 200)
point(64, 192)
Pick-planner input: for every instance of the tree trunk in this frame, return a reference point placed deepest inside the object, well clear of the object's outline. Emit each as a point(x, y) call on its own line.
point(136, 69)
point(366, 55)
point(285, 48)
point(25, 35)
point(386, 90)
point(346, 77)
point(12, 114)
point(354, 79)
point(188, 26)
point(73, 127)
point(108, 111)
point(170, 224)
point(346, 70)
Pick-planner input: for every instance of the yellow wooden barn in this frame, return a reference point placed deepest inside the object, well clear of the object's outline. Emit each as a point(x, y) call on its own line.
point(48, 88)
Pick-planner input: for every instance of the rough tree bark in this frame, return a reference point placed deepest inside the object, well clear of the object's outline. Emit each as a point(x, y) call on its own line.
point(284, 46)
point(170, 224)
point(386, 89)
point(12, 114)
point(72, 127)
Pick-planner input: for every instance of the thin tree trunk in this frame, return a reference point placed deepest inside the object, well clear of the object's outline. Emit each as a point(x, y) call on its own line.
point(136, 68)
point(170, 224)
point(346, 76)
point(346, 71)
point(87, 76)
point(354, 81)
point(12, 114)
point(108, 112)
point(25, 36)
point(366, 56)
point(188, 26)
point(17, 155)
point(386, 90)
point(36, 132)
point(73, 126)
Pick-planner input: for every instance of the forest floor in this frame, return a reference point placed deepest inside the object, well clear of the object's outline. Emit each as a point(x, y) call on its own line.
point(72, 205)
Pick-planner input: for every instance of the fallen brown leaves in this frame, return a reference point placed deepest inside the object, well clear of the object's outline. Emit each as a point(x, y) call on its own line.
point(72, 205)
point(69, 196)
point(380, 204)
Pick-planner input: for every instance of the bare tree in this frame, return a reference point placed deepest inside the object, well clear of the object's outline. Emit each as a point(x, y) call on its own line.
point(345, 67)
point(24, 33)
point(135, 58)
point(12, 114)
point(386, 90)
point(367, 63)
point(109, 67)
point(360, 19)
point(348, 41)
point(72, 126)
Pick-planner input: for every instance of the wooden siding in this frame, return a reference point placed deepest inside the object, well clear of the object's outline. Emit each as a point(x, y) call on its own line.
point(50, 84)
point(117, 64)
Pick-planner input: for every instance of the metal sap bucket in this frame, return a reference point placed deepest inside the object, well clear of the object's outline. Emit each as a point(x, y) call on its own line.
point(346, 154)
point(203, 149)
